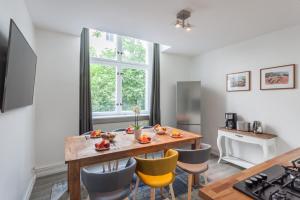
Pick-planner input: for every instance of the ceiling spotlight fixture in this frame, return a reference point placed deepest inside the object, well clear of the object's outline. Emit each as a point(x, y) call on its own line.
point(181, 20)
point(177, 25)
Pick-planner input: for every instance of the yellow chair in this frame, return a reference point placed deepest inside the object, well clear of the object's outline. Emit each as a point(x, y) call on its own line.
point(157, 173)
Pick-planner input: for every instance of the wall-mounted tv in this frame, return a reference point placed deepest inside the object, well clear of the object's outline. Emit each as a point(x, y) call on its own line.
point(19, 72)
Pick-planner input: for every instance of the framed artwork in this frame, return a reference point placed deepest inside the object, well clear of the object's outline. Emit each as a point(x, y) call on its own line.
point(275, 78)
point(239, 81)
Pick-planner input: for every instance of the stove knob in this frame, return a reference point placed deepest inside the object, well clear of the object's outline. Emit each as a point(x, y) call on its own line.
point(248, 183)
point(254, 180)
point(264, 176)
point(259, 178)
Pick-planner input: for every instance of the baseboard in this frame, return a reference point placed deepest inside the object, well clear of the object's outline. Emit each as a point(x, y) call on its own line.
point(215, 152)
point(50, 169)
point(29, 188)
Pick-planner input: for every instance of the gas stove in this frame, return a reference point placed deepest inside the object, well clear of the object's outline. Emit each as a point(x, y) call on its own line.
point(275, 183)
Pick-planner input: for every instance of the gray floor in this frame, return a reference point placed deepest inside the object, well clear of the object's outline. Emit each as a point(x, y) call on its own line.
point(43, 186)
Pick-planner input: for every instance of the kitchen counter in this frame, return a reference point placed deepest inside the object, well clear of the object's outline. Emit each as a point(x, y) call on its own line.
point(223, 189)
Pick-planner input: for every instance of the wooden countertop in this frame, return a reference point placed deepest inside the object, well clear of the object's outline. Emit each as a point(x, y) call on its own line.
point(251, 134)
point(223, 189)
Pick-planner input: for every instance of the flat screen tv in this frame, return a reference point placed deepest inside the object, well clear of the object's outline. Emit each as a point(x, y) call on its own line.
point(19, 73)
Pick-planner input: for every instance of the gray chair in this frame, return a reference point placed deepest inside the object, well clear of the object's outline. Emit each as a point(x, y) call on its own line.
point(115, 185)
point(194, 162)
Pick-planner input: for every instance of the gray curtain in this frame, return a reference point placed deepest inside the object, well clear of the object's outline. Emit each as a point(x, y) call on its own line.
point(85, 107)
point(155, 95)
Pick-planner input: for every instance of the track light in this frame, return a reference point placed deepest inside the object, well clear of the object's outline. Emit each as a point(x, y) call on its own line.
point(181, 20)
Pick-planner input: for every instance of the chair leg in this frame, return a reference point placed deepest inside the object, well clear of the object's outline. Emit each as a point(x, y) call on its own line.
point(190, 182)
point(109, 166)
point(116, 165)
point(205, 178)
point(136, 187)
point(152, 194)
point(172, 191)
point(162, 193)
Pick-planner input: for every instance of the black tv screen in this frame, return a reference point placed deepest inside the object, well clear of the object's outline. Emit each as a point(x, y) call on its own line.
point(19, 72)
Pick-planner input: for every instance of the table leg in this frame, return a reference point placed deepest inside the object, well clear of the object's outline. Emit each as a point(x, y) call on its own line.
point(227, 147)
point(219, 143)
point(68, 174)
point(74, 180)
point(196, 145)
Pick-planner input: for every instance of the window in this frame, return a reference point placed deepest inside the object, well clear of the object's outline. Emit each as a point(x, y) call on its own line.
point(109, 37)
point(120, 73)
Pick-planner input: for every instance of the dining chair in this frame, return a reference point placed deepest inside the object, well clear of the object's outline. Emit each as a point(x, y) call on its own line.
point(115, 185)
point(157, 173)
point(194, 162)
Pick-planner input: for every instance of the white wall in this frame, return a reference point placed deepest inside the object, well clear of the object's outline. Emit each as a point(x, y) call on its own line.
point(173, 68)
point(57, 95)
point(16, 126)
point(278, 110)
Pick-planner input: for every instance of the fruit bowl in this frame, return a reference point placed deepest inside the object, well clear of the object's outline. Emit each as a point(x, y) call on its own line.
point(176, 134)
point(144, 139)
point(161, 130)
point(109, 136)
point(95, 134)
point(129, 130)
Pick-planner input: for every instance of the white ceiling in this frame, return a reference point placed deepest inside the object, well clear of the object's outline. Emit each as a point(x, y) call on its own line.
point(217, 22)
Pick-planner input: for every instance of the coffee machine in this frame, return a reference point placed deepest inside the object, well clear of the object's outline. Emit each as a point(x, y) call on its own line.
point(231, 119)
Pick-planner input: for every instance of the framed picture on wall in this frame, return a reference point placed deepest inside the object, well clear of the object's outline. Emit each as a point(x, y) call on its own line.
point(239, 81)
point(275, 78)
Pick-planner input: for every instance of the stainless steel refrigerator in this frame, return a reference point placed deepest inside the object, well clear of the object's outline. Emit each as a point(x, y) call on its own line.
point(188, 100)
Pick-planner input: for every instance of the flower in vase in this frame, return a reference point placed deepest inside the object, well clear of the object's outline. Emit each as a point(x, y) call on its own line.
point(136, 110)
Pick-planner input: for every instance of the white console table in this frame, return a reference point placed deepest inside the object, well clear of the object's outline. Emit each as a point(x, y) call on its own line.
point(265, 140)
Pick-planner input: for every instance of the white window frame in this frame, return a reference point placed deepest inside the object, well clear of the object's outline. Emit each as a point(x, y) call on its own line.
point(119, 65)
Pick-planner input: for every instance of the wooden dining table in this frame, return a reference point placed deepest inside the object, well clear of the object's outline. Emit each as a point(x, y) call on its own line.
point(80, 151)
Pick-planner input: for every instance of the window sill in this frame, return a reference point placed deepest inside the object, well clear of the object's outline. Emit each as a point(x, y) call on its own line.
point(117, 118)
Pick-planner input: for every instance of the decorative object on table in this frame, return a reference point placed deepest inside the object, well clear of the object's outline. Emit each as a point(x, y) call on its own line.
point(95, 134)
point(109, 136)
point(230, 120)
point(239, 81)
point(103, 145)
point(137, 129)
point(257, 127)
point(160, 130)
point(275, 78)
point(176, 134)
point(242, 126)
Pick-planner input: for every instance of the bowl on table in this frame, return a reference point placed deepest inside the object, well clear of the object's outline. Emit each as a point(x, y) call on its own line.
point(158, 129)
point(176, 134)
point(95, 134)
point(145, 138)
point(109, 136)
point(102, 145)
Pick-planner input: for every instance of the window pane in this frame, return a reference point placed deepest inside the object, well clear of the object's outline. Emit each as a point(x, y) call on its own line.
point(133, 88)
point(103, 88)
point(134, 51)
point(103, 45)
